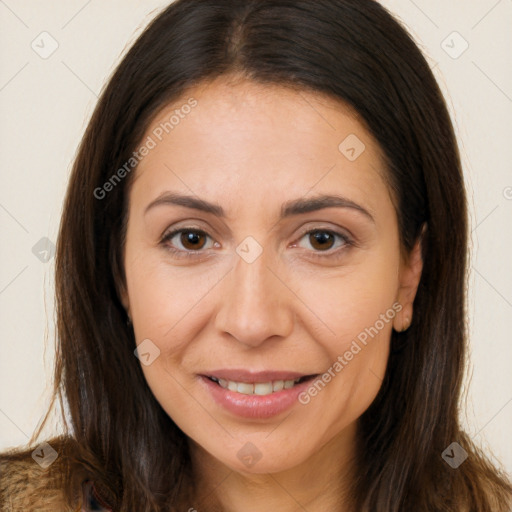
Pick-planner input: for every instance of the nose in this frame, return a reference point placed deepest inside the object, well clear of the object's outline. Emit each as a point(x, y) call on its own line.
point(256, 303)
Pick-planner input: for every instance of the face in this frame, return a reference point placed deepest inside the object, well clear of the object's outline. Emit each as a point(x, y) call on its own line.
point(281, 263)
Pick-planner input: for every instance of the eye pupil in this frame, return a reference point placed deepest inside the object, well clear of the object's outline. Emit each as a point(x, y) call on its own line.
point(321, 237)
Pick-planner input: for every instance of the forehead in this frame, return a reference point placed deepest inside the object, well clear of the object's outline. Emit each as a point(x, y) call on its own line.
point(255, 142)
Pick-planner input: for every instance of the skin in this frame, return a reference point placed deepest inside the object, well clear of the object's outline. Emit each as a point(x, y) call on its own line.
point(251, 148)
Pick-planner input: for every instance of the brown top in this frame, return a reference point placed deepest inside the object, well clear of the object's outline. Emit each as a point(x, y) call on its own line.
point(31, 480)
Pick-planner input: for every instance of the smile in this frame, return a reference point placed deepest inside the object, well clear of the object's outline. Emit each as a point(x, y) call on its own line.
point(258, 388)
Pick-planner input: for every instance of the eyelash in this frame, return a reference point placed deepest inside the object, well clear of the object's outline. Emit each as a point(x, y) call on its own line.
point(179, 253)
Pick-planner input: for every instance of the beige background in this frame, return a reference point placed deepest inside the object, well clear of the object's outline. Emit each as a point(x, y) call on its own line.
point(45, 104)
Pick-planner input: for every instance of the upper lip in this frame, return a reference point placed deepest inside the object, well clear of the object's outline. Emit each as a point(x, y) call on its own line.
point(240, 375)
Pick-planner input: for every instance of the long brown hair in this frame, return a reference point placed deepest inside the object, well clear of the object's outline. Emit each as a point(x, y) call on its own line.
point(355, 52)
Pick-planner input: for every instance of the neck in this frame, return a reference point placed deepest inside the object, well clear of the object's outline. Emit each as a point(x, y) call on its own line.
point(321, 483)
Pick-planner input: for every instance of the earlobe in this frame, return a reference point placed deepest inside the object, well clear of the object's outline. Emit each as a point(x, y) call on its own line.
point(403, 320)
point(410, 275)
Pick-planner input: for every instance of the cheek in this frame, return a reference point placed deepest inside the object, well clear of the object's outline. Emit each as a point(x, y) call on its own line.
point(357, 308)
point(164, 298)
point(352, 300)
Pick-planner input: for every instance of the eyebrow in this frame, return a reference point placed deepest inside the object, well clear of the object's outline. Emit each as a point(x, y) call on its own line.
point(289, 209)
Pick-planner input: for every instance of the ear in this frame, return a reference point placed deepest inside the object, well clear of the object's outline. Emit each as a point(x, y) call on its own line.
point(409, 275)
point(123, 297)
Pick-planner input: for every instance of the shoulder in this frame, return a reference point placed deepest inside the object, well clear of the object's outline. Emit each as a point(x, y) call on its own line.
point(32, 478)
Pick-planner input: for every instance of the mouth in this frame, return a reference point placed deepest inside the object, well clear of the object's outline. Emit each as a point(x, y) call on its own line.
point(255, 395)
point(259, 388)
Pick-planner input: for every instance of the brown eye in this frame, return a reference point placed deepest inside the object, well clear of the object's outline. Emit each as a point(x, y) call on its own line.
point(191, 240)
point(186, 240)
point(321, 240)
point(324, 243)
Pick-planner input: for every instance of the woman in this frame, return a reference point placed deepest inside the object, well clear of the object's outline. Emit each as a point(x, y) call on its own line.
point(260, 276)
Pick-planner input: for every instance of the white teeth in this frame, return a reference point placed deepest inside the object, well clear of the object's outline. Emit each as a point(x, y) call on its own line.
point(263, 389)
point(278, 385)
point(259, 388)
point(245, 388)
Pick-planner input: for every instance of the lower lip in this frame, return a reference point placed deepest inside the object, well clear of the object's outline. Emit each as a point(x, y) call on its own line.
point(255, 406)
